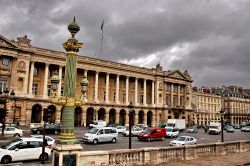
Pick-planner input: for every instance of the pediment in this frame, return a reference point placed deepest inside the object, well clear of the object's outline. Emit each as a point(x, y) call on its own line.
point(6, 43)
point(177, 74)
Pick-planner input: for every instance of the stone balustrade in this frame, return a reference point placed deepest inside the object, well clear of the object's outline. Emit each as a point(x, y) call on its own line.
point(154, 155)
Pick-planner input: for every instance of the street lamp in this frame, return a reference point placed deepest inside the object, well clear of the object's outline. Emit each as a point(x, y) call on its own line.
point(130, 114)
point(4, 99)
point(222, 111)
point(67, 140)
point(43, 157)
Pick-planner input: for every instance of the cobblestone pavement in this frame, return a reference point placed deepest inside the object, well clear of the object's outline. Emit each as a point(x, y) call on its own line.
point(232, 159)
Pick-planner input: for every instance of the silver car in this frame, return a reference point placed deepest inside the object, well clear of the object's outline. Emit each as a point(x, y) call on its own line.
point(134, 132)
point(104, 134)
point(183, 140)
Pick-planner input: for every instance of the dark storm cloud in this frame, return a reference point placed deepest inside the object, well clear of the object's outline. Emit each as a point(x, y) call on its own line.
point(210, 38)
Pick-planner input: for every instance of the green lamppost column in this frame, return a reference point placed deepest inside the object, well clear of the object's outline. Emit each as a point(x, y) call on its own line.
point(67, 149)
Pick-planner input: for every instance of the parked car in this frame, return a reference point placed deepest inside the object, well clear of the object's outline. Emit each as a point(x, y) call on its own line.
point(192, 129)
point(134, 132)
point(23, 149)
point(120, 129)
point(230, 129)
point(183, 140)
point(236, 126)
point(104, 134)
point(50, 140)
point(245, 129)
point(172, 132)
point(13, 132)
point(152, 133)
point(225, 127)
point(49, 129)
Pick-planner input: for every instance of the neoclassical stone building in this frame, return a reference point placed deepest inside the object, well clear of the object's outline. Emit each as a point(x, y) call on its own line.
point(157, 95)
point(207, 106)
point(236, 101)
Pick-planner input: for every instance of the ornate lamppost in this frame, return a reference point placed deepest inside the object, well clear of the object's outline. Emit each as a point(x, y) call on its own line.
point(130, 114)
point(4, 97)
point(67, 145)
point(222, 111)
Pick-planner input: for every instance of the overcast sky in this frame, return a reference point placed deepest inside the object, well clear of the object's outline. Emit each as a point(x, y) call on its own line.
point(209, 38)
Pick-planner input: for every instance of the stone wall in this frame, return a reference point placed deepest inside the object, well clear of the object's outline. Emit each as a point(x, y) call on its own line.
point(153, 156)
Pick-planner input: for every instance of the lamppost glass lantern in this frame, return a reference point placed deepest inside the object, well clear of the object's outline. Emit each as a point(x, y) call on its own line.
point(84, 84)
point(55, 81)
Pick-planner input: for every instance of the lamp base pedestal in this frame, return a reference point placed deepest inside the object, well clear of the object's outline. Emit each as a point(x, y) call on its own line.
point(67, 155)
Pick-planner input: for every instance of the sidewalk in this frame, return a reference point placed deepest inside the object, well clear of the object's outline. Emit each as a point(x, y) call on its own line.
point(232, 159)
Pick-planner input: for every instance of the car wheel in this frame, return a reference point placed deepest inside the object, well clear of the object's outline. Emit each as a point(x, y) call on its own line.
point(6, 160)
point(113, 140)
point(16, 135)
point(95, 141)
point(44, 157)
point(149, 139)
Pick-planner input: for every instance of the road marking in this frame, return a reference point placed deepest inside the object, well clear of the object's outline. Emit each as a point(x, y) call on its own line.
point(202, 138)
point(18, 163)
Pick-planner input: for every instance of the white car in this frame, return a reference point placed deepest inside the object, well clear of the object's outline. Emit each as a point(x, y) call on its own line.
point(172, 132)
point(134, 132)
point(13, 132)
point(120, 129)
point(50, 140)
point(245, 129)
point(23, 149)
point(183, 140)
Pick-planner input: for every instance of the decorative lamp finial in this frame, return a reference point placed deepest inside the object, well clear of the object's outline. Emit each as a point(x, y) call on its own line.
point(73, 27)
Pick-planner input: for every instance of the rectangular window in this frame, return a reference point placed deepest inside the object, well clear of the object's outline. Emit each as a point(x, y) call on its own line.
point(62, 90)
point(34, 89)
point(124, 97)
point(141, 99)
point(104, 95)
point(114, 96)
point(35, 73)
point(3, 83)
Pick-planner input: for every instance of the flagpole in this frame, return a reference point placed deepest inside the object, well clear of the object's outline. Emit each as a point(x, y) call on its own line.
point(102, 37)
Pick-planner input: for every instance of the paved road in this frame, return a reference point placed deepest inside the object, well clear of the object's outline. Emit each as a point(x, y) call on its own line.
point(122, 143)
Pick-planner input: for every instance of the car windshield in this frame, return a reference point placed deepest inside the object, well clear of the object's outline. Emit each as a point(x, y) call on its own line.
point(181, 139)
point(148, 131)
point(93, 131)
point(169, 130)
point(7, 145)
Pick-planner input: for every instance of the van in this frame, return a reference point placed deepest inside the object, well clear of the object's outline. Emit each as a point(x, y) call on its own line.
point(98, 124)
point(172, 132)
point(103, 134)
point(152, 133)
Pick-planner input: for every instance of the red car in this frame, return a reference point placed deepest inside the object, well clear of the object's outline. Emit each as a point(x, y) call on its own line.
point(152, 133)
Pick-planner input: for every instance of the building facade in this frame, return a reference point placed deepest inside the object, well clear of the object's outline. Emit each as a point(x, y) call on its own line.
point(236, 102)
point(157, 95)
point(207, 106)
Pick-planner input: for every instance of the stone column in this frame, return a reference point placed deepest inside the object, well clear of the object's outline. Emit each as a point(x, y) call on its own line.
point(86, 74)
point(153, 93)
point(96, 86)
point(117, 117)
point(145, 92)
point(60, 82)
point(127, 86)
point(107, 117)
point(157, 94)
point(31, 77)
point(13, 75)
point(145, 118)
point(172, 95)
point(117, 89)
point(136, 118)
point(84, 119)
point(136, 90)
point(179, 96)
point(45, 81)
point(107, 88)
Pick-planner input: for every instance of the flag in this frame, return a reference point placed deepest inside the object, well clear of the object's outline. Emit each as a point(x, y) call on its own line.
point(102, 25)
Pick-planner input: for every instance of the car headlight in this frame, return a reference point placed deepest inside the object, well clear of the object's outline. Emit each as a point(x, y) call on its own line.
point(145, 135)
